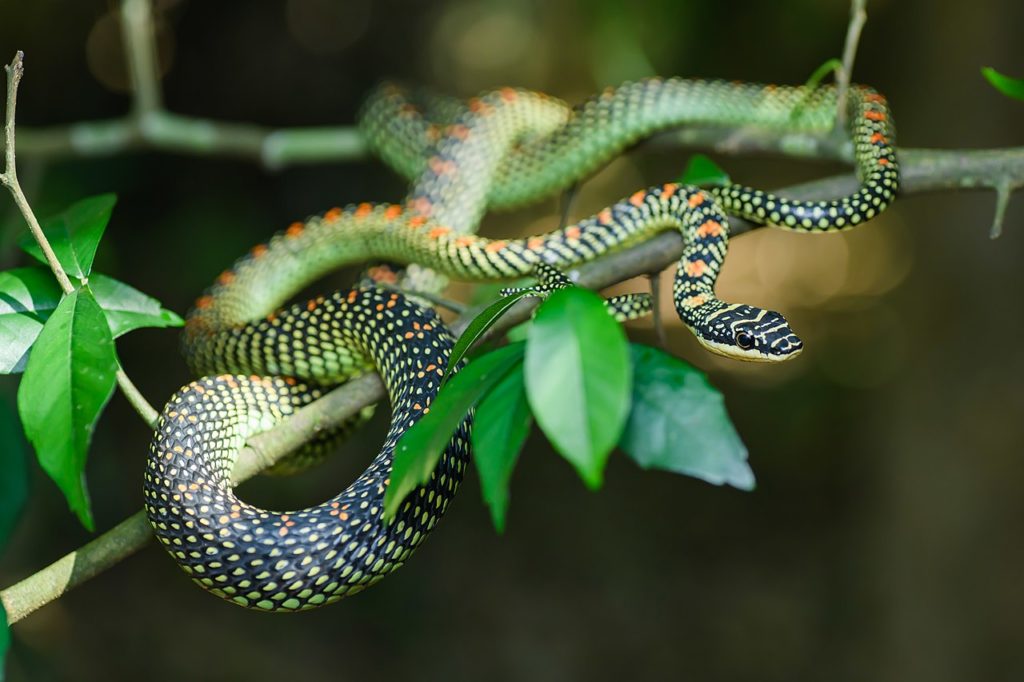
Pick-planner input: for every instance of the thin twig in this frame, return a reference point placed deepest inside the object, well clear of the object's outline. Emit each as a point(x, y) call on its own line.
point(136, 399)
point(654, 278)
point(1004, 189)
point(568, 197)
point(9, 178)
point(440, 301)
point(138, 33)
point(15, 70)
point(858, 15)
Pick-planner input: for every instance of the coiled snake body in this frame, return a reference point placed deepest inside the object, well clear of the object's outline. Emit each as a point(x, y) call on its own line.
point(262, 362)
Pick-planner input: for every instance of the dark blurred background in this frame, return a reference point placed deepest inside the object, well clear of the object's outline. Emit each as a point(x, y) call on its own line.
point(884, 538)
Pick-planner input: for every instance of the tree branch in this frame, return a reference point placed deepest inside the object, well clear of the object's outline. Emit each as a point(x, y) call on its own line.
point(924, 170)
point(858, 16)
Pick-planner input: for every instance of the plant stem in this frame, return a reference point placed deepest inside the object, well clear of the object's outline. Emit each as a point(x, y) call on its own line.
point(858, 16)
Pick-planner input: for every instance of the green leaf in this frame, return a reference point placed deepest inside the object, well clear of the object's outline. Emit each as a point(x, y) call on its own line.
point(13, 472)
point(830, 66)
point(419, 449)
point(678, 423)
point(500, 427)
point(27, 298)
point(578, 378)
point(703, 172)
point(74, 234)
point(1011, 87)
point(520, 332)
point(477, 328)
point(127, 308)
point(69, 379)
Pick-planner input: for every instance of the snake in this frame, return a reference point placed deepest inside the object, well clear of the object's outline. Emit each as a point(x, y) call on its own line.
point(261, 358)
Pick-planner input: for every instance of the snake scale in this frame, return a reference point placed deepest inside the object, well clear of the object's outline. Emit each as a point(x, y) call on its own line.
point(262, 361)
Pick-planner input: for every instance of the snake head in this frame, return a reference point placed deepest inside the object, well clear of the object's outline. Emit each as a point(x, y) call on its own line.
point(744, 332)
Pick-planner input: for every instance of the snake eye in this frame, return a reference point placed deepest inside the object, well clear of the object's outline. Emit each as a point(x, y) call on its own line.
point(744, 340)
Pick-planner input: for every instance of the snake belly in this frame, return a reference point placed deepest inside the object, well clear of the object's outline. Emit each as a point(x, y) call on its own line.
point(506, 148)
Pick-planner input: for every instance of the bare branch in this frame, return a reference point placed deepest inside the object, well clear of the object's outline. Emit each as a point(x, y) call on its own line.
point(858, 15)
point(138, 33)
point(15, 70)
point(654, 278)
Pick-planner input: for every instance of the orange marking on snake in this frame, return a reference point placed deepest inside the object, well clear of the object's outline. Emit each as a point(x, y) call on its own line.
point(668, 189)
point(874, 115)
point(226, 277)
point(696, 199)
point(363, 210)
point(572, 232)
point(878, 137)
point(873, 97)
point(416, 222)
point(464, 241)
point(332, 214)
point(437, 164)
point(392, 212)
point(535, 243)
point(478, 106)
point(496, 246)
point(204, 302)
point(696, 268)
point(295, 229)
point(311, 305)
point(637, 199)
point(438, 232)
point(422, 205)
point(709, 227)
point(605, 216)
point(258, 250)
point(509, 94)
point(409, 335)
point(352, 296)
point(883, 162)
point(459, 131)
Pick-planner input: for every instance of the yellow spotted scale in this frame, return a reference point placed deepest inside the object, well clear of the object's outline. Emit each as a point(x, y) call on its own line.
point(262, 362)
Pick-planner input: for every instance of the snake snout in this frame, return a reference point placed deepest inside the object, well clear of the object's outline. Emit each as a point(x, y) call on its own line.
point(788, 345)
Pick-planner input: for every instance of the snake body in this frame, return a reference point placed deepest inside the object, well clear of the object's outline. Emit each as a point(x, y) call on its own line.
point(503, 149)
